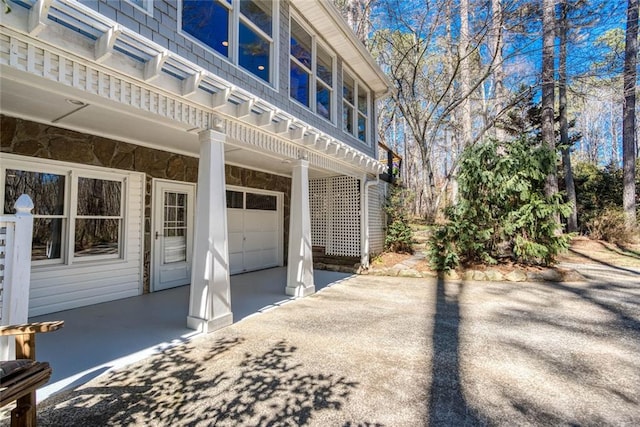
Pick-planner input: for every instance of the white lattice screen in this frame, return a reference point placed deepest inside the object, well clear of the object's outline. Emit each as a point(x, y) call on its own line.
point(335, 215)
point(377, 219)
point(319, 206)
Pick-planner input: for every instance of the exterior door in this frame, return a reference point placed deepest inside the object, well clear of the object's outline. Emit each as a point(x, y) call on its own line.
point(172, 233)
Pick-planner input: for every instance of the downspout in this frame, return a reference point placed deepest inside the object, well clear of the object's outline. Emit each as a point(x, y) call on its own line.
point(364, 214)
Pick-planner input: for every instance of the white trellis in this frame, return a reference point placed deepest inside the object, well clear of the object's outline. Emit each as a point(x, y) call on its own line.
point(335, 215)
point(16, 232)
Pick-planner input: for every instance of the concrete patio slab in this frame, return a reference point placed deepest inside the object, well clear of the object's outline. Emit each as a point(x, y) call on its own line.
point(101, 337)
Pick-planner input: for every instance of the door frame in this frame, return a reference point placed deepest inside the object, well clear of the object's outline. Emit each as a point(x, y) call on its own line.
point(280, 209)
point(157, 203)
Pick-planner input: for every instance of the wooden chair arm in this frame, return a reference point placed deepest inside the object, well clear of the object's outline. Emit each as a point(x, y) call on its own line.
point(31, 328)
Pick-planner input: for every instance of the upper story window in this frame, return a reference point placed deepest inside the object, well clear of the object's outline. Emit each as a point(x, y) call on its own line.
point(145, 5)
point(311, 72)
point(240, 30)
point(355, 109)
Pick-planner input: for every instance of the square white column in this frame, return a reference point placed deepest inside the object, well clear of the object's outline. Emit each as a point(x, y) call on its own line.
point(300, 261)
point(210, 293)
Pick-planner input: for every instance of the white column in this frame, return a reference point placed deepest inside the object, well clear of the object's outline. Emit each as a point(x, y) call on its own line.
point(300, 262)
point(210, 294)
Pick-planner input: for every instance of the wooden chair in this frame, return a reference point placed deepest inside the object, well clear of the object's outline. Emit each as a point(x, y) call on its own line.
point(20, 378)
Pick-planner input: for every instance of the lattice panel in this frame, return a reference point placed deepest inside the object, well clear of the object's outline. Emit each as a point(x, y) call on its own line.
point(343, 216)
point(318, 205)
point(377, 219)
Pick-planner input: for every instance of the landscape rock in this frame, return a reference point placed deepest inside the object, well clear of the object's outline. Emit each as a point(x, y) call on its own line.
point(494, 275)
point(516, 276)
point(409, 272)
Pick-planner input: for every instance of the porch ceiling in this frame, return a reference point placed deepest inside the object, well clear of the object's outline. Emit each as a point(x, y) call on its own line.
point(45, 104)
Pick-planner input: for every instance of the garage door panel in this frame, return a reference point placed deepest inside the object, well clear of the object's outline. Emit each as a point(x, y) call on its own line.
point(260, 221)
point(235, 220)
point(235, 242)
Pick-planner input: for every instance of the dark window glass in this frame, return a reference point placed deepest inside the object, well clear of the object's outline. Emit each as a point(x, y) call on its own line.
point(47, 239)
point(234, 199)
point(262, 202)
point(300, 44)
point(347, 117)
point(99, 197)
point(362, 128)
point(207, 21)
point(254, 52)
point(323, 98)
point(348, 88)
point(362, 100)
point(324, 66)
point(258, 12)
point(299, 84)
point(97, 237)
point(45, 189)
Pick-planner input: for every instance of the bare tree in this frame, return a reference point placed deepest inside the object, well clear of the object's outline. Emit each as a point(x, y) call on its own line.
point(629, 115)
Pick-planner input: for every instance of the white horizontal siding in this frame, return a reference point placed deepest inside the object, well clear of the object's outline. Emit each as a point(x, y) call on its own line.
point(57, 288)
point(377, 220)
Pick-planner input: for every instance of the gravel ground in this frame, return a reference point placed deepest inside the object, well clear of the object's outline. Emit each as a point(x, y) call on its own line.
point(389, 351)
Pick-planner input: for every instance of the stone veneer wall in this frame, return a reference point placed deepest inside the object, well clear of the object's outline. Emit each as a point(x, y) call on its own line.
point(33, 139)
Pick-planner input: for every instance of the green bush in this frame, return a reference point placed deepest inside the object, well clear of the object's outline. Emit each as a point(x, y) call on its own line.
point(502, 211)
point(399, 234)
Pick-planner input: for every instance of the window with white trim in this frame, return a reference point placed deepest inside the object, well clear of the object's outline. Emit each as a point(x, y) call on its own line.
point(145, 5)
point(355, 107)
point(78, 214)
point(240, 30)
point(311, 72)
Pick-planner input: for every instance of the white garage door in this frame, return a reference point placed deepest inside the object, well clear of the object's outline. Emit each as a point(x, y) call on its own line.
point(255, 230)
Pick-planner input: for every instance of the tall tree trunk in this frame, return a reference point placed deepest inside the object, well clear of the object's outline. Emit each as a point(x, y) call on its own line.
point(465, 72)
point(629, 115)
point(548, 93)
point(572, 220)
point(498, 73)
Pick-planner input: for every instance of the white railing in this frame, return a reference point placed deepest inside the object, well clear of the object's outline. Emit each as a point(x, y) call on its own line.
point(16, 232)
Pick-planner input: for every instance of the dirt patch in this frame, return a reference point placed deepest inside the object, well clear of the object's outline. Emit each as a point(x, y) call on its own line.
point(582, 250)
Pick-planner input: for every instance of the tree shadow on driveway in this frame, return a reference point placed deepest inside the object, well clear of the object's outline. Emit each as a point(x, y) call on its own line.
point(447, 405)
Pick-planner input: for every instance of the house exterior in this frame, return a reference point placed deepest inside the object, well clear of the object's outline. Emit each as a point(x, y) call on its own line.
point(167, 143)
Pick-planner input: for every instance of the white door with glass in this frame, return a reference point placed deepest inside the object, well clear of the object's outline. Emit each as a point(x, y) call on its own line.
point(172, 233)
point(254, 220)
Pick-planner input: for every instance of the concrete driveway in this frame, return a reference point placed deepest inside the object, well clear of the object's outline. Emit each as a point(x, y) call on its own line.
point(383, 351)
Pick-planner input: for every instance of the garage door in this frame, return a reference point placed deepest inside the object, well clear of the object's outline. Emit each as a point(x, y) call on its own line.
point(255, 231)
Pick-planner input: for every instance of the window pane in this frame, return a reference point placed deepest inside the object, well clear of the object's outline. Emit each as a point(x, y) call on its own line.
point(325, 66)
point(348, 88)
point(362, 128)
point(254, 52)
point(300, 44)
point(47, 238)
point(97, 237)
point(258, 12)
point(362, 100)
point(234, 199)
point(261, 201)
point(299, 84)
point(45, 189)
point(347, 118)
point(99, 197)
point(323, 98)
point(208, 21)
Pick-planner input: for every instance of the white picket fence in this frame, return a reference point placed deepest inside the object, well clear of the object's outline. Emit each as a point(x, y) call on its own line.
point(16, 233)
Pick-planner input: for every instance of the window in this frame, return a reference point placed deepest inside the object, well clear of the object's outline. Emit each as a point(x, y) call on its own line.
point(263, 202)
point(240, 30)
point(235, 199)
point(145, 5)
point(78, 215)
point(310, 72)
point(355, 108)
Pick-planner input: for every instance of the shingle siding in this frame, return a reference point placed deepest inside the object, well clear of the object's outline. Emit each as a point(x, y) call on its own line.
point(162, 27)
